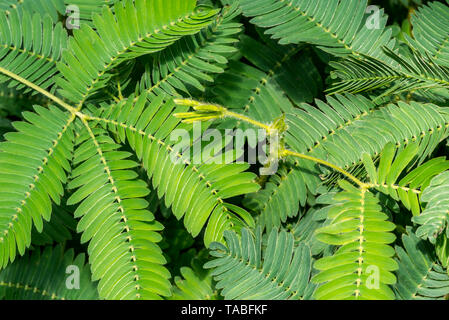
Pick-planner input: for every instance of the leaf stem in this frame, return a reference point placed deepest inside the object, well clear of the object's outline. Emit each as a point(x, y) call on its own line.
point(206, 111)
point(361, 184)
point(38, 89)
point(248, 120)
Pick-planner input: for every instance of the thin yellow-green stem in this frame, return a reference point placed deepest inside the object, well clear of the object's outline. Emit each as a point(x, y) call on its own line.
point(296, 154)
point(119, 88)
point(213, 112)
point(361, 184)
point(38, 89)
point(223, 112)
point(248, 120)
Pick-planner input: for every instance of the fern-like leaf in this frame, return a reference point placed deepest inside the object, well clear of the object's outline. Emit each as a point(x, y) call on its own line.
point(434, 219)
point(351, 129)
point(342, 131)
point(87, 9)
point(282, 273)
point(280, 198)
point(43, 276)
point(431, 31)
point(33, 166)
point(420, 276)
point(51, 8)
point(193, 61)
point(414, 71)
point(129, 30)
point(321, 22)
point(276, 80)
point(122, 250)
point(30, 46)
point(360, 229)
point(193, 286)
point(390, 179)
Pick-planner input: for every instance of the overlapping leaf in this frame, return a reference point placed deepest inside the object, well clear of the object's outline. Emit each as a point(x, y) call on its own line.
point(362, 267)
point(193, 61)
point(195, 190)
point(33, 166)
point(30, 46)
point(129, 30)
point(122, 233)
point(281, 272)
point(433, 220)
point(420, 276)
point(48, 275)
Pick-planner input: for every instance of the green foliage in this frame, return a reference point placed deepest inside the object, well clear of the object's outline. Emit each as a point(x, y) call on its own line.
point(105, 169)
point(270, 86)
point(415, 73)
point(433, 219)
point(191, 62)
point(195, 192)
point(192, 287)
point(420, 64)
point(122, 234)
point(391, 166)
point(34, 162)
point(136, 28)
point(362, 233)
point(59, 229)
point(195, 283)
point(30, 47)
point(326, 24)
point(280, 199)
point(87, 9)
point(420, 276)
point(242, 274)
point(43, 276)
point(51, 8)
point(430, 37)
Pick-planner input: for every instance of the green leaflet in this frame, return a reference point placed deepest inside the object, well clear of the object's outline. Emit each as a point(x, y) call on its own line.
point(414, 72)
point(42, 7)
point(30, 46)
point(12, 103)
point(324, 23)
point(137, 28)
point(304, 229)
point(33, 166)
point(280, 198)
point(122, 234)
point(420, 276)
point(244, 273)
point(392, 176)
point(87, 9)
point(194, 61)
point(362, 267)
point(430, 30)
point(193, 286)
point(423, 67)
point(433, 219)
